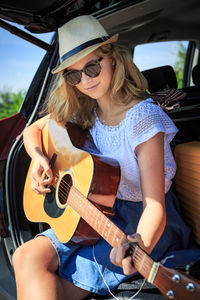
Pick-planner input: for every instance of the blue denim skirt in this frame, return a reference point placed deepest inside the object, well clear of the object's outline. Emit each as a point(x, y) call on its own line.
point(90, 268)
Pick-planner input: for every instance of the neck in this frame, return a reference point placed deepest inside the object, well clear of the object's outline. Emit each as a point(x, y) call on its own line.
point(108, 113)
point(105, 108)
point(105, 103)
point(111, 112)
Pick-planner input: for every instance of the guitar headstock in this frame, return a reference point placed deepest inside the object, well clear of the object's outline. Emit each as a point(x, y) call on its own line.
point(174, 284)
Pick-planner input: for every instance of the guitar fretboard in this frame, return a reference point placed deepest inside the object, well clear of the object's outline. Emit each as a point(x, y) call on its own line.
point(107, 229)
point(95, 218)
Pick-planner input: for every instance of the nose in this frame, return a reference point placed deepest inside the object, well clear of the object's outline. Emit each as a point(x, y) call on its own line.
point(85, 78)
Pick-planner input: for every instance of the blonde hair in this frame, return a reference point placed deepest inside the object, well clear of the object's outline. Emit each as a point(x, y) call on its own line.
point(66, 102)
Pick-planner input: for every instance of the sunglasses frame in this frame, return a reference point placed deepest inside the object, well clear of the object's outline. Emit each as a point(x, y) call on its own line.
point(84, 70)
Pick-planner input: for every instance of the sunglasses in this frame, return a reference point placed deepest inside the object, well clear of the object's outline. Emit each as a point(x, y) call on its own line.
point(91, 69)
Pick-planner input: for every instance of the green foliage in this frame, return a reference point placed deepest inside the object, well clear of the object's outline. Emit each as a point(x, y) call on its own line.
point(179, 64)
point(10, 102)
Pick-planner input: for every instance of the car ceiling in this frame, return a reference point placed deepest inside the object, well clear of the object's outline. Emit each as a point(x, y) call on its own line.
point(47, 15)
point(139, 21)
point(156, 20)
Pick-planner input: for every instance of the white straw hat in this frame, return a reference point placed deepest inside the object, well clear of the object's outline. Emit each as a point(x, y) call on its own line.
point(79, 37)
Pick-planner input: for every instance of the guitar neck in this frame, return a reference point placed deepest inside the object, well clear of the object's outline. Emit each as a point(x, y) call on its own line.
point(107, 229)
point(165, 279)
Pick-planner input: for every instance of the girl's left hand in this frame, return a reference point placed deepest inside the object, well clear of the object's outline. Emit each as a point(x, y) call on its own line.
point(117, 255)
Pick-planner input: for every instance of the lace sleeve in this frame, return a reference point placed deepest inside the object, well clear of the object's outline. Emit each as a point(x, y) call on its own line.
point(149, 120)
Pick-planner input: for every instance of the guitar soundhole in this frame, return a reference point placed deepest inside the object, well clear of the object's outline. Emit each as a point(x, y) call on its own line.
point(64, 188)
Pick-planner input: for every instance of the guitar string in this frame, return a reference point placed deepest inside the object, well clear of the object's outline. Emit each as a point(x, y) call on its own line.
point(138, 256)
point(67, 188)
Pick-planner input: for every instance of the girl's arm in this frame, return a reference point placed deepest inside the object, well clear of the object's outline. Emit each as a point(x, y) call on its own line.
point(33, 146)
point(151, 164)
point(152, 222)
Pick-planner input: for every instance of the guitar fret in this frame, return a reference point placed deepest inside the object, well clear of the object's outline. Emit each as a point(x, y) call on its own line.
point(142, 261)
point(92, 216)
point(108, 227)
point(100, 225)
point(115, 240)
point(103, 230)
point(96, 218)
point(88, 212)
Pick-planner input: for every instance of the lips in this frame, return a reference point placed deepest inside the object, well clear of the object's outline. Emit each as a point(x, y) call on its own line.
point(92, 88)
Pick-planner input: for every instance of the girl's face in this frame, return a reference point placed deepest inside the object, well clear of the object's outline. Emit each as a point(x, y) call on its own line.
point(98, 87)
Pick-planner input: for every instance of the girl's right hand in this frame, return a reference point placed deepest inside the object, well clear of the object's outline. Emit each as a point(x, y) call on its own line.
point(40, 168)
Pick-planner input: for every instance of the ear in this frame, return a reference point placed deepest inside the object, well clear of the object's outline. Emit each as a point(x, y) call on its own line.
point(113, 62)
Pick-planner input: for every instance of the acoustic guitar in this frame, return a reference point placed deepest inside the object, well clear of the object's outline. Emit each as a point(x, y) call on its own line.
point(81, 199)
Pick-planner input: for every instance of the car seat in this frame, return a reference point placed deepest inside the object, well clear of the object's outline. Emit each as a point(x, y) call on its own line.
point(187, 179)
point(163, 87)
point(193, 92)
point(160, 78)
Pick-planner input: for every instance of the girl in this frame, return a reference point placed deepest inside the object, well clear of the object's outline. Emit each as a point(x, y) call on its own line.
point(102, 90)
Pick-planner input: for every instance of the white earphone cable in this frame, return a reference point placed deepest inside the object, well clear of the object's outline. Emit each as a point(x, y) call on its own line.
point(107, 284)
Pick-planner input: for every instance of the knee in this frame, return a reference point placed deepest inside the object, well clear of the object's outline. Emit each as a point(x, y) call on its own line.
point(26, 256)
point(20, 258)
point(37, 254)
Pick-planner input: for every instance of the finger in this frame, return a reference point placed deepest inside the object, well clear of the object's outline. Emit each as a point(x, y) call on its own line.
point(134, 238)
point(48, 173)
point(120, 254)
point(112, 255)
point(46, 167)
point(42, 191)
point(127, 266)
point(37, 175)
point(46, 182)
point(117, 254)
point(39, 189)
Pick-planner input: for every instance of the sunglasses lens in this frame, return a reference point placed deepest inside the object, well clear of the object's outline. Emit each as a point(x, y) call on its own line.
point(73, 77)
point(93, 69)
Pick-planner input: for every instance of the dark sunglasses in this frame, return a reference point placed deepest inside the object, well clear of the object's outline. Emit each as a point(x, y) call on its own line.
point(91, 69)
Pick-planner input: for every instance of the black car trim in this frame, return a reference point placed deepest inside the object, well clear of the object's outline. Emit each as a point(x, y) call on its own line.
point(26, 36)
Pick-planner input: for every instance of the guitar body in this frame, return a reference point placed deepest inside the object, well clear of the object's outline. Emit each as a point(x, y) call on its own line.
point(94, 176)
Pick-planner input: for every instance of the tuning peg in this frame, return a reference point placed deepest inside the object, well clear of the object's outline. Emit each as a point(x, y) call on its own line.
point(190, 287)
point(170, 294)
point(176, 278)
point(187, 269)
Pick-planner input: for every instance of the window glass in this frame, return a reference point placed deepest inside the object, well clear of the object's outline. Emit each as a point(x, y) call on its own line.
point(152, 55)
point(19, 60)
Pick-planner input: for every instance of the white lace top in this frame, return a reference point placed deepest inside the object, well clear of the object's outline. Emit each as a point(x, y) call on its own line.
point(142, 122)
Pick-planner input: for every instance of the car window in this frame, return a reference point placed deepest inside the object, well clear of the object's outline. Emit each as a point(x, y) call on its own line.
point(152, 55)
point(19, 60)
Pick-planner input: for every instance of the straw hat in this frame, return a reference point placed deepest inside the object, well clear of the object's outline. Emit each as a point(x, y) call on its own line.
point(79, 37)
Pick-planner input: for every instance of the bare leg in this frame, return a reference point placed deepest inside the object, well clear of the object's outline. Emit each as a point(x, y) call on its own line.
point(35, 264)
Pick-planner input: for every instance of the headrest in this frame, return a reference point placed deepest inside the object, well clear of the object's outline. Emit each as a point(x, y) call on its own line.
point(196, 74)
point(161, 78)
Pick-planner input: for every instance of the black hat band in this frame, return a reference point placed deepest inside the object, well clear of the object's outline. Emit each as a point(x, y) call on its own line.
point(83, 46)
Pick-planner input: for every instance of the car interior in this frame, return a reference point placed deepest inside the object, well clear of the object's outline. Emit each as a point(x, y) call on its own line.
point(137, 22)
